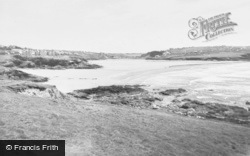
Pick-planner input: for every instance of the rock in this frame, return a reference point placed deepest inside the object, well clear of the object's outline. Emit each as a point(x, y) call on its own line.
point(157, 99)
point(150, 99)
point(185, 106)
point(129, 95)
point(27, 64)
point(9, 64)
point(173, 91)
point(191, 111)
point(125, 102)
point(217, 111)
point(114, 89)
point(79, 95)
point(155, 106)
point(57, 67)
point(85, 65)
point(176, 101)
point(247, 103)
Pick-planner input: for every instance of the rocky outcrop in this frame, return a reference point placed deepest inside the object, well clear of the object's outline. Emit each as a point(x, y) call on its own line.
point(136, 96)
point(129, 95)
point(114, 89)
point(13, 74)
point(217, 111)
point(40, 90)
point(205, 110)
point(169, 92)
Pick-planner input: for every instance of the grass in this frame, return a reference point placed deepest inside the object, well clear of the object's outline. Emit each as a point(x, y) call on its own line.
point(101, 129)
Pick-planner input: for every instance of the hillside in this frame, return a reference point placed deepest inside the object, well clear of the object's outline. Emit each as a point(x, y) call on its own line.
point(18, 61)
point(116, 120)
point(221, 53)
point(102, 127)
point(13, 74)
point(98, 128)
point(29, 52)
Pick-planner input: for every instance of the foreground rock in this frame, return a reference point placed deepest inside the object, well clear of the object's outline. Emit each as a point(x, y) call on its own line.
point(129, 95)
point(13, 74)
point(49, 63)
point(40, 90)
point(136, 96)
point(217, 111)
point(204, 110)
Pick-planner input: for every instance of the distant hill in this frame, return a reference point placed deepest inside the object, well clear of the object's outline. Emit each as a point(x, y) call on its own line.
point(221, 53)
point(29, 52)
point(232, 53)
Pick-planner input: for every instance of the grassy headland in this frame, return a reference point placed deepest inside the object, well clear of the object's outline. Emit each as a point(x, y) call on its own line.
point(215, 53)
point(48, 63)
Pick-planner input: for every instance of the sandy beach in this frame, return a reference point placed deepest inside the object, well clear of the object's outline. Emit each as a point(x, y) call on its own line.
point(224, 82)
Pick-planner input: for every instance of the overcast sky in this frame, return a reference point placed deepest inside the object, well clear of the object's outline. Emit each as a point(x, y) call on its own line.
point(115, 25)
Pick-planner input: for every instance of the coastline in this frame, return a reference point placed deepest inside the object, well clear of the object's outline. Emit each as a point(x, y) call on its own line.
point(121, 113)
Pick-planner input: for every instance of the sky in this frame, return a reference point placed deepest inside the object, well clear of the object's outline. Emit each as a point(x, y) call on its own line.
point(117, 26)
